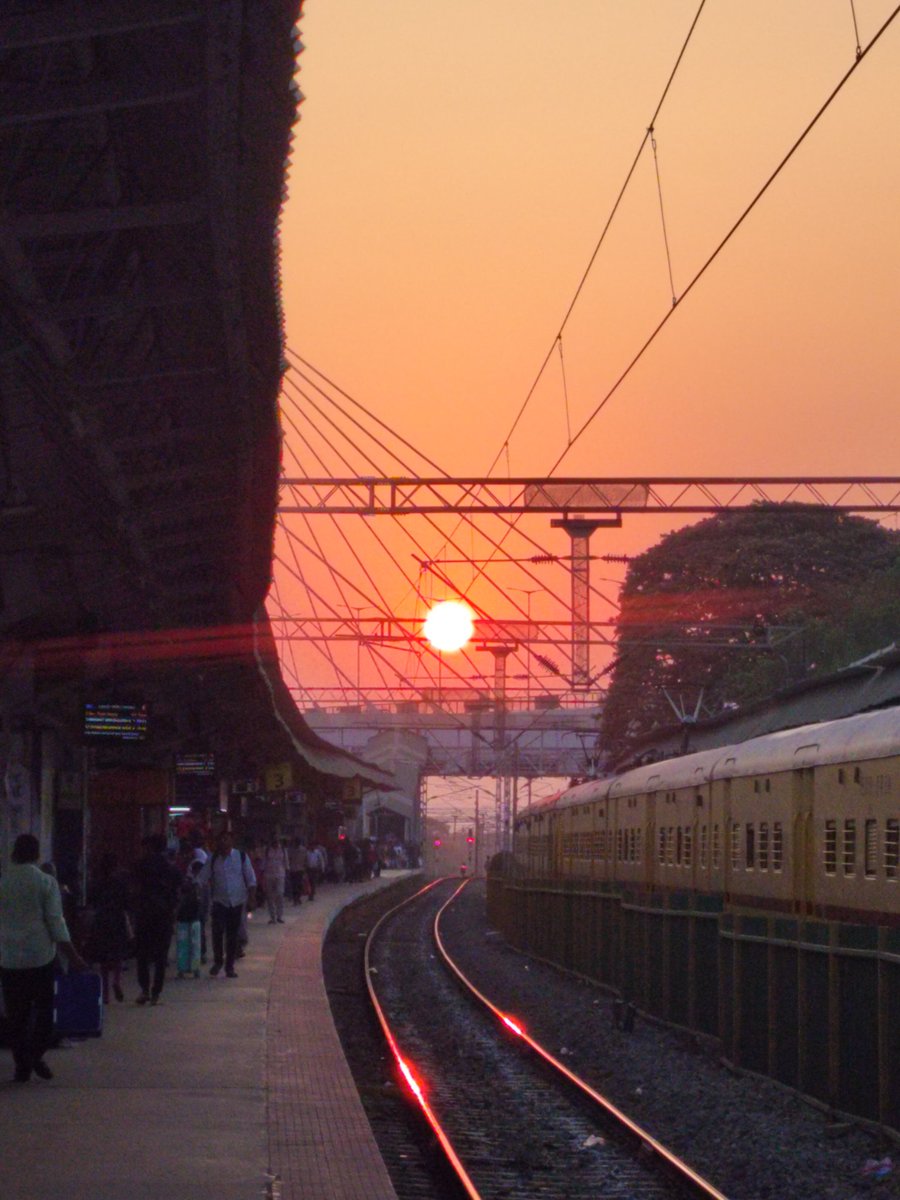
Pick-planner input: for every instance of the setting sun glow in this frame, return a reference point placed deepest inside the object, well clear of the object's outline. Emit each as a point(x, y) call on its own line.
point(449, 625)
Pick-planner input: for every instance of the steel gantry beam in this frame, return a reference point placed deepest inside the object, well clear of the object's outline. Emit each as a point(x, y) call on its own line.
point(404, 496)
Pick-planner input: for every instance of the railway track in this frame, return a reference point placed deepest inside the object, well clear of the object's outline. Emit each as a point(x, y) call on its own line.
point(513, 1121)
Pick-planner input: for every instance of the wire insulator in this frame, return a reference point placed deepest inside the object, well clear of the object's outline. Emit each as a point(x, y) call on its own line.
point(548, 664)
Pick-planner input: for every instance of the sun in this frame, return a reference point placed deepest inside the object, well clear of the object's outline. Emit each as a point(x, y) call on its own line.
point(449, 625)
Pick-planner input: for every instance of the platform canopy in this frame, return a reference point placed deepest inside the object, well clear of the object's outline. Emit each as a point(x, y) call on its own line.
point(144, 146)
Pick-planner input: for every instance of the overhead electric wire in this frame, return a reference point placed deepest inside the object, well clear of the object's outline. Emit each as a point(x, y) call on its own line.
point(317, 554)
point(448, 540)
point(323, 558)
point(311, 592)
point(294, 669)
point(418, 545)
point(708, 263)
point(511, 524)
point(609, 220)
point(386, 607)
point(730, 234)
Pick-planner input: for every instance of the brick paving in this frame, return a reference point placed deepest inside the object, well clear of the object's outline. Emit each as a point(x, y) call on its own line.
point(320, 1142)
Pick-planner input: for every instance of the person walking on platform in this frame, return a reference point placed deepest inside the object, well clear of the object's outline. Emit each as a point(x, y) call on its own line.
point(108, 940)
point(187, 924)
point(275, 865)
point(32, 929)
point(297, 868)
point(315, 868)
point(157, 885)
point(232, 884)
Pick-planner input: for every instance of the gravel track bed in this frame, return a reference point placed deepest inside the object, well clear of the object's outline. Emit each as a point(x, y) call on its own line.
point(751, 1138)
point(516, 1131)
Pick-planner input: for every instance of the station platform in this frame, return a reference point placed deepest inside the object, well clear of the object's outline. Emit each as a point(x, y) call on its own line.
point(231, 1088)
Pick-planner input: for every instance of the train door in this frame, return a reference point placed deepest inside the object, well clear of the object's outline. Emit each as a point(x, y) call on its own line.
point(650, 865)
point(802, 852)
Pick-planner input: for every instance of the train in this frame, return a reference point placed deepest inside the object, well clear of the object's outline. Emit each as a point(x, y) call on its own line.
point(803, 821)
point(749, 893)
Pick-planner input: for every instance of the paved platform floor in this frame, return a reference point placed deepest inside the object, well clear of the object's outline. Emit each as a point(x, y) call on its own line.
point(232, 1089)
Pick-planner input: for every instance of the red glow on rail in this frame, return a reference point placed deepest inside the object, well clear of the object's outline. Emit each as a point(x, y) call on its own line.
point(415, 1086)
point(517, 1029)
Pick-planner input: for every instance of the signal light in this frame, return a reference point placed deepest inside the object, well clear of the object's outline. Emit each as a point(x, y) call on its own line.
point(437, 843)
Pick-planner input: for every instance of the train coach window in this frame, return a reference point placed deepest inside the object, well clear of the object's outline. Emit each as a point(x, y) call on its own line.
point(850, 846)
point(699, 800)
point(892, 848)
point(830, 847)
point(688, 846)
point(716, 849)
point(750, 843)
point(735, 845)
point(857, 775)
point(840, 774)
point(661, 846)
point(704, 847)
point(870, 849)
point(777, 846)
point(764, 845)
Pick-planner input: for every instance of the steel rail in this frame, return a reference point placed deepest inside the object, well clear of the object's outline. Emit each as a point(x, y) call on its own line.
point(669, 1162)
point(403, 1065)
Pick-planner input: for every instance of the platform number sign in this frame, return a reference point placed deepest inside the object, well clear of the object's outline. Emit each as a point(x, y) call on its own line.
point(279, 778)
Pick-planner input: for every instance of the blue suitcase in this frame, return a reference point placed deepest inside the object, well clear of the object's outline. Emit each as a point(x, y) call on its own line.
point(78, 1004)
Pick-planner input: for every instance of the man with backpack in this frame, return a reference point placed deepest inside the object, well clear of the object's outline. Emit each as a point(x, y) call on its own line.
point(232, 884)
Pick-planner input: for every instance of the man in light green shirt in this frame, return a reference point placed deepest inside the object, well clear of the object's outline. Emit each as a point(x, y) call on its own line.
point(32, 929)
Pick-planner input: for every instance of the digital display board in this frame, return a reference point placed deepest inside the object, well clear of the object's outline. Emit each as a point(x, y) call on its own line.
point(195, 764)
point(116, 722)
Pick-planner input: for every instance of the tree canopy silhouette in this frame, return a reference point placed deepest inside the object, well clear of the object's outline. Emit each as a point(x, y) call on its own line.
point(742, 603)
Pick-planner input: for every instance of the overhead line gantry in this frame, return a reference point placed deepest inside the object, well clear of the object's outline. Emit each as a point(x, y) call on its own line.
point(397, 496)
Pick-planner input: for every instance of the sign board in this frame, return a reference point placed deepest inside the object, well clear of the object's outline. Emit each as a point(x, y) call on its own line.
point(279, 778)
point(352, 790)
point(244, 787)
point(195, 764)
point(585, 496)
point(120, 722)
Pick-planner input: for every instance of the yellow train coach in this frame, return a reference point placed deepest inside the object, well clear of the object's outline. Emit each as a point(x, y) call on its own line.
point(805, 821)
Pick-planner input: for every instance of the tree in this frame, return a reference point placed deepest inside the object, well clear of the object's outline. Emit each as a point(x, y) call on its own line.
point(742, 603)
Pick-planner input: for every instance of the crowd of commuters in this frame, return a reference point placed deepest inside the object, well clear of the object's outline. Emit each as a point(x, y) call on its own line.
point(198, 894)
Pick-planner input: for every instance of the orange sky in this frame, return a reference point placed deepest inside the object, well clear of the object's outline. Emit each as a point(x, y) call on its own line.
point(452, 172)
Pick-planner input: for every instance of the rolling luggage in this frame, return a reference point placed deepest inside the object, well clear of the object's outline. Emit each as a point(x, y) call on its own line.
point(187, 948)
point(78, 1004)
